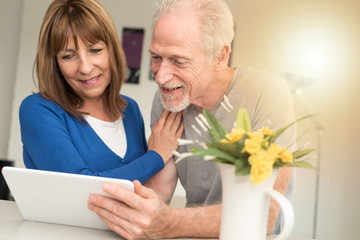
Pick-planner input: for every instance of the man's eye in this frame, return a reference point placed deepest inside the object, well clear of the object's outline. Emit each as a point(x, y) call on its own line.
point(156, 59)
point(178, 62)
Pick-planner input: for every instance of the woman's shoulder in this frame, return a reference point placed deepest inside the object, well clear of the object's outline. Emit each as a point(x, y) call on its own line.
point(35, 98)
point(37, 103)
point(132, 109)
point(131, 103)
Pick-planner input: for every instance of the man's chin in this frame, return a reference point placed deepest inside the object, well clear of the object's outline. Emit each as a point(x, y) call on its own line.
point(175, 107)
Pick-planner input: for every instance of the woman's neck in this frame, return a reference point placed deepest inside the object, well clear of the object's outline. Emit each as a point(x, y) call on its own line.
point(97, 110)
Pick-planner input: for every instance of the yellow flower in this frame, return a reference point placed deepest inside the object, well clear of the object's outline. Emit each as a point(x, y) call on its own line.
point(266, 131)
point(260, 171)
point(251, 146)
point(256, 136)
point(224, 141)
point(261, 156)
point(286, 156)
point(235, 135)
point(274, 150)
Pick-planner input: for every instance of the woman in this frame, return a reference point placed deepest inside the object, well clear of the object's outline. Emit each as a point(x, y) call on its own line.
point(78, 122)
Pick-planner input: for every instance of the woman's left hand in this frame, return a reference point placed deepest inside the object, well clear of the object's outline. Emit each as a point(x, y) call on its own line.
point(164, 135)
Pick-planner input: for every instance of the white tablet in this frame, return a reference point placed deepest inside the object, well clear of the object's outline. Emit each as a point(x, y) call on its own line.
point(55, 197)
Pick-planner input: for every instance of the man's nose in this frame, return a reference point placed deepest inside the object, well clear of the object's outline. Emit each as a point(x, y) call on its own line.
point(164, 74)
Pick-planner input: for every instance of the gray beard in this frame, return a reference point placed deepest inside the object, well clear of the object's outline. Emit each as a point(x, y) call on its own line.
point(185, 102)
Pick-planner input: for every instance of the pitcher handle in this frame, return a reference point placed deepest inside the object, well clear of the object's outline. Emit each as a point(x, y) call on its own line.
point(287, 213)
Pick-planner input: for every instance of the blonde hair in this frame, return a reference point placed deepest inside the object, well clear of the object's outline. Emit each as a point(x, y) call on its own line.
point(89, 21)
point(216, 21)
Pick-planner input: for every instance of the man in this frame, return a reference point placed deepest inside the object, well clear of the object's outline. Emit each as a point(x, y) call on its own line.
point(190, 49)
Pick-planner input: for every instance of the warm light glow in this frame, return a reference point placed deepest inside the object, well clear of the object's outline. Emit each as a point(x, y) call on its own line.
point(316, 53)
point(298, 91)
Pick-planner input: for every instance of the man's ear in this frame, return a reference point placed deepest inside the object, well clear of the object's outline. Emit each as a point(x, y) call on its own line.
point(222, 58)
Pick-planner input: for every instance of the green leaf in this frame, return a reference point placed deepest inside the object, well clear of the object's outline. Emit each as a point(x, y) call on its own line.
point(242, 168)
point(213, 152)
point(221, 161)
point(234, 149)
point(281, 130)
point(301, 164)
point(265, 142)
point(217, 130)
point(242, 120)
point(300, 153)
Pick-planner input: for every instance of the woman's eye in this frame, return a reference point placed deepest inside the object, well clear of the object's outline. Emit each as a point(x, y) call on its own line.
point(96, 50)
point(67, 57)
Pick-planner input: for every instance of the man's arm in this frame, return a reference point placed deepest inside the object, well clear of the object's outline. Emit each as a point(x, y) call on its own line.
point(142, 214)
point(281, 184)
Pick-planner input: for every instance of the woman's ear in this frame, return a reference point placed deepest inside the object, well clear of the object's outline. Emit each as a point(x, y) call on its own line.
point(223, 58)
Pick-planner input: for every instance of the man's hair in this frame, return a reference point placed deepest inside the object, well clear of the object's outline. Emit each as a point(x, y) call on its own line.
point(89, 21)
point(216, 21)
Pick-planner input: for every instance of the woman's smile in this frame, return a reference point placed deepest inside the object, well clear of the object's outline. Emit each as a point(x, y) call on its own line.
point(91, 81)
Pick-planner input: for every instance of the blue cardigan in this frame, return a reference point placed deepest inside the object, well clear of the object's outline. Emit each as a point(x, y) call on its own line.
point(54, 140)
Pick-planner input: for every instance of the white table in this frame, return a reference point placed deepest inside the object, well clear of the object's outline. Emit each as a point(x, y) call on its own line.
point(14, 227)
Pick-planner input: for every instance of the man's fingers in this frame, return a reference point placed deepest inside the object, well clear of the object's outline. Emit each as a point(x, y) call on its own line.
point(122, 194)
point(142, 191)
point(106, 206)
point(115, 222)
point(134, 199)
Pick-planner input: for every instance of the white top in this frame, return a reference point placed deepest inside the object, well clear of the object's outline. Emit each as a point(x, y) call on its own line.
point(111, 133)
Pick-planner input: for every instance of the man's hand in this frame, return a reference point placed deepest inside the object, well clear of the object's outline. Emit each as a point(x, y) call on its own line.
point(134, 215)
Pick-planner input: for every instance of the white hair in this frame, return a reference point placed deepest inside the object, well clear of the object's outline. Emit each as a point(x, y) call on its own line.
point(216, 21)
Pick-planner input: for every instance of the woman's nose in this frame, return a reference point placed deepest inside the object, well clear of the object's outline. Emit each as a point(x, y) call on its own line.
point(85, 65)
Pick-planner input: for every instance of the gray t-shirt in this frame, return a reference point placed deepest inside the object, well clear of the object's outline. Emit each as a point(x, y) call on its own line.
point(266, 98)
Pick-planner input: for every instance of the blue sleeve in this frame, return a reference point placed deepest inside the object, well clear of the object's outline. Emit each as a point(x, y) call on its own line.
point(56, 141)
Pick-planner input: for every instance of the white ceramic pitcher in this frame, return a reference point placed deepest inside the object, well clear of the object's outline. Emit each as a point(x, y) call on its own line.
point(245, 206)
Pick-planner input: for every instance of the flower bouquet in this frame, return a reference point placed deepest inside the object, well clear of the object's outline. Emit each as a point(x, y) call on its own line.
point(252, 152)
point(245, 202)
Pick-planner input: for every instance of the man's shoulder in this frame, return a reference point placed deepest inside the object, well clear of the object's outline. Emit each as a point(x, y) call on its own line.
point(257, 75)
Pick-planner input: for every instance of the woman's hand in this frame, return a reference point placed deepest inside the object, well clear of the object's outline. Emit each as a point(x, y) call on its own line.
point(164, 135)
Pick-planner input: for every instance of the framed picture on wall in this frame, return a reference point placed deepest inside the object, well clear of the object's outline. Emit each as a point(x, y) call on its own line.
point(132, 42)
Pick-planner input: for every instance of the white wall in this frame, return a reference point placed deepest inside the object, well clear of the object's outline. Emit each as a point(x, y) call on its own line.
point(10, 12)
point(269, 35)
point(135, 14)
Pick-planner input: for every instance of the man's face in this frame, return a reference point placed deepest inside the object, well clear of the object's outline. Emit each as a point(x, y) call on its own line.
point(179, 64)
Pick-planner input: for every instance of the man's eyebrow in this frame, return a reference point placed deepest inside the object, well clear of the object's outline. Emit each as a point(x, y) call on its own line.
point(152, 52)
point(171, 56)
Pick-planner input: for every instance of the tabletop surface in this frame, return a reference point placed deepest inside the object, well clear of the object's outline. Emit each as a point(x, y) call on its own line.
point(14, 227)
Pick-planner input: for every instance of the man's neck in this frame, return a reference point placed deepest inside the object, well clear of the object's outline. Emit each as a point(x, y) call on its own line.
point(216, 91)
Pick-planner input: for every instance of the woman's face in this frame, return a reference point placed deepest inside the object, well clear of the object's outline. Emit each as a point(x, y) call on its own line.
point(86, 69)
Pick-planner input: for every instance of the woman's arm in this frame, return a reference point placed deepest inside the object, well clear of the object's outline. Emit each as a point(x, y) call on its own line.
point(164, 182)
point(54, 140)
